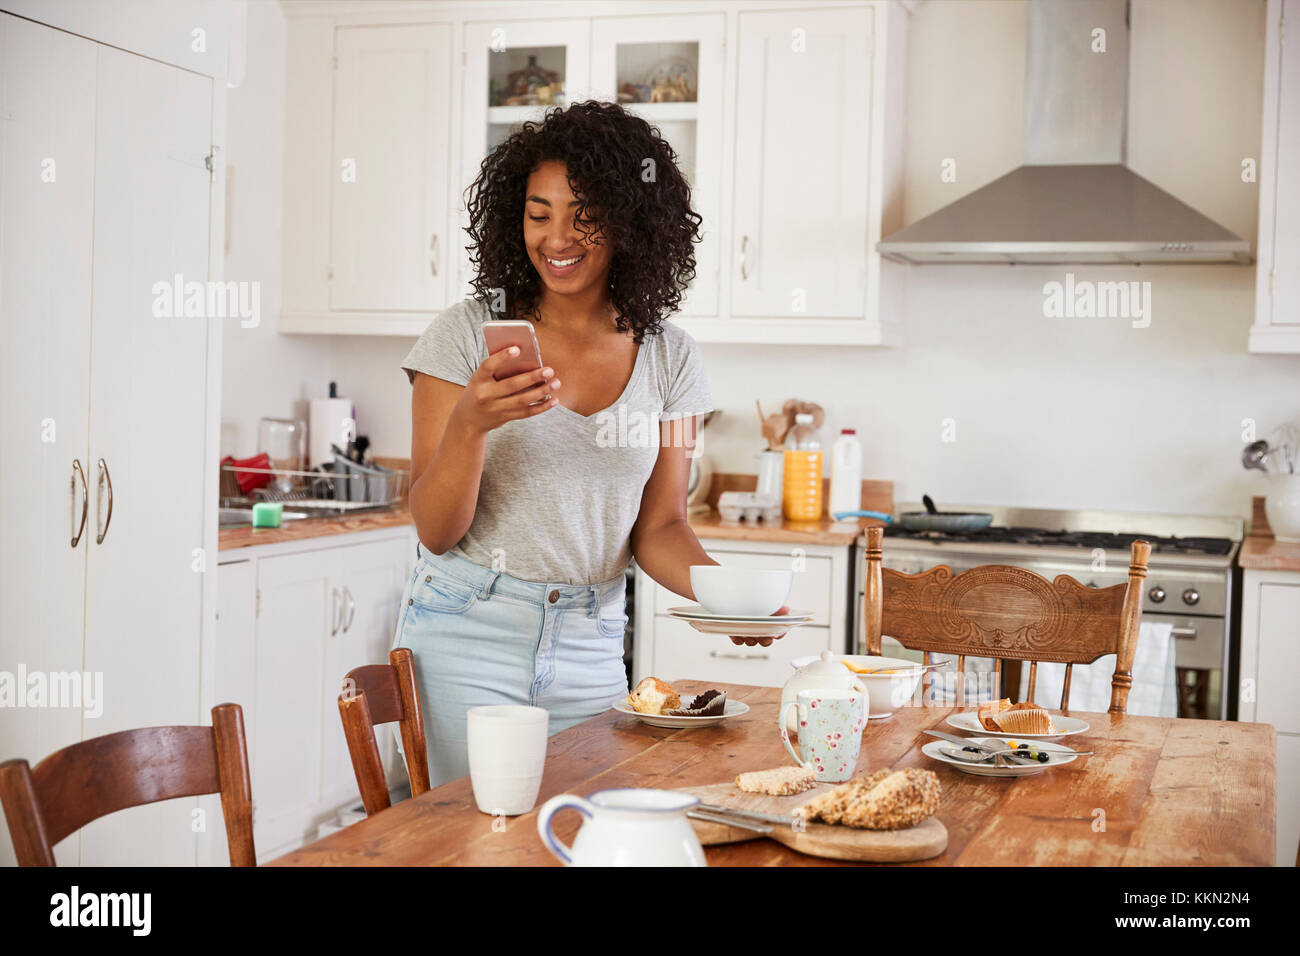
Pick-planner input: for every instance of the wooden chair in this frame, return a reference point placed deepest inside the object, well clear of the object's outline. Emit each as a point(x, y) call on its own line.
point(1009, 614)
point(83, 782)
point(381, 694)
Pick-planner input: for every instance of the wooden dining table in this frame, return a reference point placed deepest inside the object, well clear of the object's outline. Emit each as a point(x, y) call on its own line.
point(1156, 792)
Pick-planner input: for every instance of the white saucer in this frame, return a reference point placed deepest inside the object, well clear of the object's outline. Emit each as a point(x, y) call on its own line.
point(774, 627)
point(1065, 726)
point(694, 612)
point(934, 749)
point(733, 708)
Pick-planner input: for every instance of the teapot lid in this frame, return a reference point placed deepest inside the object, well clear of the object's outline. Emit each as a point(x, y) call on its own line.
point(826, 665)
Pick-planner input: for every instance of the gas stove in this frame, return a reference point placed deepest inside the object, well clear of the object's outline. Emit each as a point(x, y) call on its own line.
point(1189, 578)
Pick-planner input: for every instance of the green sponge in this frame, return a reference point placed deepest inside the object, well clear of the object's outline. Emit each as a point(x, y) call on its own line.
point(267, 514)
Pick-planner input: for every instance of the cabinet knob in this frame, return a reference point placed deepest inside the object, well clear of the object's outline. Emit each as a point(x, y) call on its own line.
point(1191, 596)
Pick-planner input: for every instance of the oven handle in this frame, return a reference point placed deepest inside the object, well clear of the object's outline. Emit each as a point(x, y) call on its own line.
point(1183, 632)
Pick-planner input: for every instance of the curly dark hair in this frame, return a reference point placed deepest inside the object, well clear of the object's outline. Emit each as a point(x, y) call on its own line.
point(650, 225)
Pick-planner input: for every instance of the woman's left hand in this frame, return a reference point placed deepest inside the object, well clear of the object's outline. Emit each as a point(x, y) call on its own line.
point(762, 641)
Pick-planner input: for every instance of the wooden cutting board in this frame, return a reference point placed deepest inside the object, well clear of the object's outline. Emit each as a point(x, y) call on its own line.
point(921, 842)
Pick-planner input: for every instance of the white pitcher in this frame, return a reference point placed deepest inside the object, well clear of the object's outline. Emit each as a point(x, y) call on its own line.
point(630, 827)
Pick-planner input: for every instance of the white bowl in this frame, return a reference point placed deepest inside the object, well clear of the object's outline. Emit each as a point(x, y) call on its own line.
point(886, 692)
point(740, 591)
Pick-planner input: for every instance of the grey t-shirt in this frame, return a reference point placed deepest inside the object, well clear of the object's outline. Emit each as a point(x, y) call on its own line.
point(560, 491)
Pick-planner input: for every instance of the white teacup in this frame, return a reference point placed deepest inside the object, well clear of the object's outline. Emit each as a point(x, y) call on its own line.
point(507, 752)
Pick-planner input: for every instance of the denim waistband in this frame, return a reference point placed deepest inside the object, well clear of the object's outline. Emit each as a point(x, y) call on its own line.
point(486, 581)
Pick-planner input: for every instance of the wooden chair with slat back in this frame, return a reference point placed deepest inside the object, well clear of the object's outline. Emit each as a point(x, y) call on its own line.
point(83, 782)
point(1008, 614)
point(383, 694)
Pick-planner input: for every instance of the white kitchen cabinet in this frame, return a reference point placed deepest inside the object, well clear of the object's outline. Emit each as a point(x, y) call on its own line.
point(101, 201)
point(320, 607)
point(631, 49)
point(1270, 661)
point(47, 101)
point(784, 98)
point(388, 228)
point(669, 648)
point(1277, 274)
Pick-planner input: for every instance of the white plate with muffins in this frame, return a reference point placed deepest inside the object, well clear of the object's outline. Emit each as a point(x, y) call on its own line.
point(656, 703)
point(1025, 721)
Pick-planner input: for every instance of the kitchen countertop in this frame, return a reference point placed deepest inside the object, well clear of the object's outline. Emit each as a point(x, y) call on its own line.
point(1176, 792)
point(1265, 553)
point(825, 531)
point(1260, 551)
point(300, 529)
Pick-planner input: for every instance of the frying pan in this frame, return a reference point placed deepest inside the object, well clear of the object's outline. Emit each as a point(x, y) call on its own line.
point(931, 519)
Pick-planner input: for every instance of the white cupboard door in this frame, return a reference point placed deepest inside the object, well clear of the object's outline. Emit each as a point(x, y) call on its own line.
point(680, 651)
point(634, 50)
point(299, 609)
point(1288, 804)
point(1278, 650)
point(392, 155)
point(799, 242)
point(47, 155)
point(493, 51)
point(1285, 220)
point(147, 425)
point(233, 664)
point(371, 582)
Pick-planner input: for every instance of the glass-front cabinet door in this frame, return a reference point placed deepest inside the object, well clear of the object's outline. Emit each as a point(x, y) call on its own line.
point(669, 71)
point(514, 71)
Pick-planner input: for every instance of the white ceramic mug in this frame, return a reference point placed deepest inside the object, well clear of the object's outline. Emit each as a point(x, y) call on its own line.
point(632, 827)
point(507, 752)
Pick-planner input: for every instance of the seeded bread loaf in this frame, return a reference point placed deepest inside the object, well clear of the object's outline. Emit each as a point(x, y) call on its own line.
point(883, 800)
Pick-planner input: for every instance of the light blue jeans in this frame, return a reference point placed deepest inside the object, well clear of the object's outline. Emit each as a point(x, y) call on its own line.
point(483, 637)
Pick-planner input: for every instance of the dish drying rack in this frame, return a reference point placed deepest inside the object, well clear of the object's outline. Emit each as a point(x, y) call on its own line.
point(348, 486)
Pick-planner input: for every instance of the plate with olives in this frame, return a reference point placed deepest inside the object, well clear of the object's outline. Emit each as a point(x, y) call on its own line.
point(1031, 758)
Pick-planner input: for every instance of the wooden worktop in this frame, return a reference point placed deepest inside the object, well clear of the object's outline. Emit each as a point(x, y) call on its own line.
point(876, 496)
point(300, 529)
point(1174, 791)
point(1260, 551)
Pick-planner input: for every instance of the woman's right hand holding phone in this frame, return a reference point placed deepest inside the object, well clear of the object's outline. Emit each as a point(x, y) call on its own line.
point(486, 403)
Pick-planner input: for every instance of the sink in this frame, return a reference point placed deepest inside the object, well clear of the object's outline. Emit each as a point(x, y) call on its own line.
point(233, 517)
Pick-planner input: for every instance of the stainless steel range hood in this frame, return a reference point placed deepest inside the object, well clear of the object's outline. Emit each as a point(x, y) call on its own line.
point(1074, 200)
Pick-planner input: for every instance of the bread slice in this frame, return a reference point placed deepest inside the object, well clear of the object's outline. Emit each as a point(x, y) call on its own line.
point(781, 782)
point(653, 696)
point(884, 800)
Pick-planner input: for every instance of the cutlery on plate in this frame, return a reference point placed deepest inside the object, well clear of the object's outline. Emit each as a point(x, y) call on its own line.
point(906, 670)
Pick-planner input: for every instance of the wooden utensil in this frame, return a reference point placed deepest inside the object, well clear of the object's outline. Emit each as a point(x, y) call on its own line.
point(921, 842)
point(774, 427)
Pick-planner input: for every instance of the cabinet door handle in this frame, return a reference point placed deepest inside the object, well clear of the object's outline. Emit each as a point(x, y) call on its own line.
point(336, 613)
point(433, 255)
point(739, 657)
point(85, 502)
point(744, 257)
point(352, 608)
point(105, 479)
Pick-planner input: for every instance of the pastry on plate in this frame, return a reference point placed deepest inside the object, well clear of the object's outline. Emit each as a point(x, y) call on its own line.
point(988, 711)
point(712, 703)
point(883, 800)
point(1024, 718)
point(781, 782)
point(653, 696)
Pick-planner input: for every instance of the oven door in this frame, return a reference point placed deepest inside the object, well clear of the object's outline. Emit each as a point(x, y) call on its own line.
point(1200, 657)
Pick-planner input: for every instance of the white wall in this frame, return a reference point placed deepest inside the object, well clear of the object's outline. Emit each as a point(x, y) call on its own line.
point(263, 373)
point(1068, 413)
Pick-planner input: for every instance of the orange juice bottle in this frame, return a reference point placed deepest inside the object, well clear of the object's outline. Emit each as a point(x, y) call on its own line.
point(803, 471)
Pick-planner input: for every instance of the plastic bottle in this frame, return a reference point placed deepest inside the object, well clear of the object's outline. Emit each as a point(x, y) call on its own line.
point(803, 471)
point(846, 472)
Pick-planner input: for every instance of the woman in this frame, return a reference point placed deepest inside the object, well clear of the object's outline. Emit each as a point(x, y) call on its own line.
point(531, 494)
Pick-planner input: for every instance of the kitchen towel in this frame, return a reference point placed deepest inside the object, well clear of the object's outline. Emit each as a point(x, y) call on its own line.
point(1155, 684)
